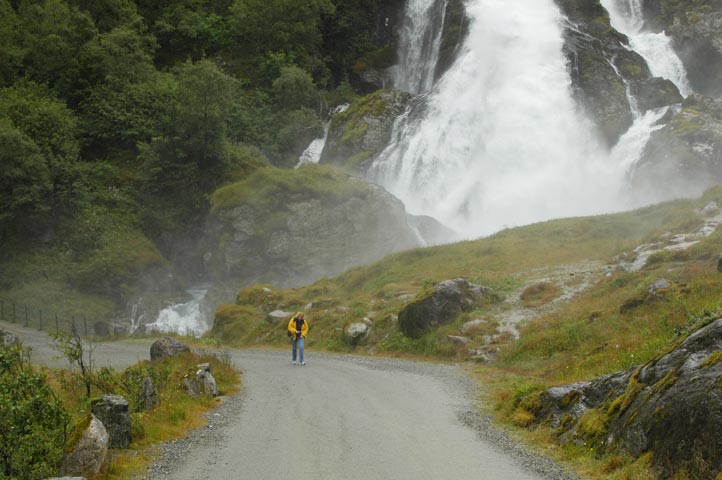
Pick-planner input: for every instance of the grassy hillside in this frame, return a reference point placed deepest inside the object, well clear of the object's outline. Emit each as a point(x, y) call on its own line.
point(582, 309)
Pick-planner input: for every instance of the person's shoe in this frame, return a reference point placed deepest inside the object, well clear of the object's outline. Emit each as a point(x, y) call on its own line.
point(294, 362)
point(303, 363)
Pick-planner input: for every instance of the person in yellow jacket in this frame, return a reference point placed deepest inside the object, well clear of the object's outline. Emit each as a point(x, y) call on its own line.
point(297, 330)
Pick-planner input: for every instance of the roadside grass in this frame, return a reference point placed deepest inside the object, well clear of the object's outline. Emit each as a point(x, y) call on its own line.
point(176, 414)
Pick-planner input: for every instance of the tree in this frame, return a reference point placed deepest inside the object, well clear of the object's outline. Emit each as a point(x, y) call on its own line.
point(78, 354)
point(294, 89)
point(25, 180)
point(33, 422)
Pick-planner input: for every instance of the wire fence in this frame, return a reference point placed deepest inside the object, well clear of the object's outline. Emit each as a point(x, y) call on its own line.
point(40, 319)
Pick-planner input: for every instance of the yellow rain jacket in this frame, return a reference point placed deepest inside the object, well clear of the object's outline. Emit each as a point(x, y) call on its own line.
point(292, 327)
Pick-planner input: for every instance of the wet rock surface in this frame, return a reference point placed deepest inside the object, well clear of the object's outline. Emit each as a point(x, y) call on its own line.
point(671, 407)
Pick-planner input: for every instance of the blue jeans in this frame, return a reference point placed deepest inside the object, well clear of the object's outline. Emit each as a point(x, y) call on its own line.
point(298, 343)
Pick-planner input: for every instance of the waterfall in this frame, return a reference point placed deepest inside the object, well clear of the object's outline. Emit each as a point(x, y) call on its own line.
point(502, 142)
point(312, 154)
point(656, 48)
point(419, 43)
point(185, 318)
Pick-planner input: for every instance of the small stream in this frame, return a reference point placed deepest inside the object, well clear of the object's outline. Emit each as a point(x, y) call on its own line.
point(186, 318)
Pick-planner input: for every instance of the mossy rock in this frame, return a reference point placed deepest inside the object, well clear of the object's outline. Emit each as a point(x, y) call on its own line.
point(364, 130)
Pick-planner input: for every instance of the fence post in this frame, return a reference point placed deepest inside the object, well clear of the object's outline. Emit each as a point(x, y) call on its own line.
point(40, 316)
point(26, 315)
point(57, 329)
point(85, 325)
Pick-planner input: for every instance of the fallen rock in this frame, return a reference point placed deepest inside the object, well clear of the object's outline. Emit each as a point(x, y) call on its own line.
point(472, 325)
point(149, 397)
point(88, 455)
point(278, 316)
point(200, 382)
point(457, 340)
point(439, 305)
point(113, 411)
point(167, 347)
point(355, 333)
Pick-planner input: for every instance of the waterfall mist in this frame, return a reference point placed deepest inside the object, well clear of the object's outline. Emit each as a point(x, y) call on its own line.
point(502, 142)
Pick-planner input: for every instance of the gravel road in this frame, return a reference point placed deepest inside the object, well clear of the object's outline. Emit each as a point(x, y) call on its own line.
point(339, 417)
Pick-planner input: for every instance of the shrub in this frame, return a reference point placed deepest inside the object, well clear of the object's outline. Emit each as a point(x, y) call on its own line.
point(34, 422)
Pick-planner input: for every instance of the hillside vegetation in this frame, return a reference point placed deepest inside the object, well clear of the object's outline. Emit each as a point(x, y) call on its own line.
point(119, 119)
point(584, 309)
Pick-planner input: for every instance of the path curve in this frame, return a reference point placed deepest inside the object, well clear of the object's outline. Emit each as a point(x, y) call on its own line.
point(339, 417)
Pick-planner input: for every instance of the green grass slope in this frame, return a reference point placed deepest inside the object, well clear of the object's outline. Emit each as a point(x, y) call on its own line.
point(565, 286)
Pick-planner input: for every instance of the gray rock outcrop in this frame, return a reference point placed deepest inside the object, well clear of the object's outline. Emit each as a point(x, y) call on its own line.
point(278, 316)
point(671, 407)
point(89, 455)
point(167, 347)
point(148, 396)
point(113, 411)
point(439, 305)
point(305, 235)
point(685, 155)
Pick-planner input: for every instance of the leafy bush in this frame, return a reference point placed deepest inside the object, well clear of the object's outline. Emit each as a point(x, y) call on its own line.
point(33, 422)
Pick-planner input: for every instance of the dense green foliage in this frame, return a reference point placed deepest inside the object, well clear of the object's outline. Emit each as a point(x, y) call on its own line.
point(119, 118)
point(33, 422)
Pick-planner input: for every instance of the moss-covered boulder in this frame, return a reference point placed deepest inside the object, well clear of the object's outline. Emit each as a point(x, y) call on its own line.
point(439, 305)
point(670, 407)
point(290, 227)
point(696, 28)
point(685, 156)
point(360, 133)
point(603, 68)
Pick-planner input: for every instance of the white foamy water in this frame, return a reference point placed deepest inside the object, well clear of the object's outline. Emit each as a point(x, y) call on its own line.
point(183, 318)
point(656, 48)
point(312, 154)
point(419, 42)
point(503, 142)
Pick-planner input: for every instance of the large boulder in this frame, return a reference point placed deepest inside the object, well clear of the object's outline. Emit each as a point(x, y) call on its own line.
point(293, 227)
point(685, 156)
point(360, 133)
point(88, 453)
point(167, 347)
point(438, 305)
point(671, 407)
point(113, 411)
point(603, 67)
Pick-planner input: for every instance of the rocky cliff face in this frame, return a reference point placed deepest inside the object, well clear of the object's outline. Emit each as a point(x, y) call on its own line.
point(696, 28)
point(686, 154)
point(603, 69)
point(317, 223)
point(671, 407)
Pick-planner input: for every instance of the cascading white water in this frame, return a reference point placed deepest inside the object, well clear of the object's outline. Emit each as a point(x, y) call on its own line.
point(502, 142)
point(627, 17)
point(312, 154)
point(419, 43)
point(183, 318)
